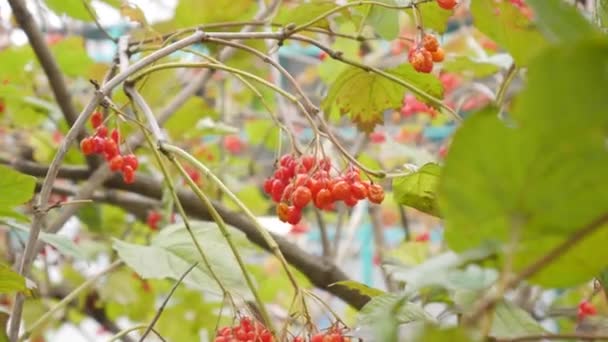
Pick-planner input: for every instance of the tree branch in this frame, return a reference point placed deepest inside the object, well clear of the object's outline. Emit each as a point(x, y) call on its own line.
point(319, 270)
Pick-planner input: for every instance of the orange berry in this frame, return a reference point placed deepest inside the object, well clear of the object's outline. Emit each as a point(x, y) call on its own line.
point(430, 43)
point(438, 55)
point(421, 60)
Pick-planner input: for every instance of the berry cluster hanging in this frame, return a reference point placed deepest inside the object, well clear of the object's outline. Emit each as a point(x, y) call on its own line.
point(101, 144)
point(300, 181)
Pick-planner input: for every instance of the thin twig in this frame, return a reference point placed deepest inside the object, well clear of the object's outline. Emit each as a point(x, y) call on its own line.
point(164, 304)
point(67, 299)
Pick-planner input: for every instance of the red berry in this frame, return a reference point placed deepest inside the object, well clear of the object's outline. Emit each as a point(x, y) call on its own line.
point(438, 56)
point(287, 192)
point(585, 309)
point(323, 55)
point(301, 197)
point(285, 160)
point(309, 162)
point(318, 338)
point(447, 4)
point(358, 190)
point(430, 43)
point(115, 135)
point(96, 119)
point(87, 146)
point(283, 211)
point(375, 194)
point(351, 201)
point(277, 190)
point(340, 190)
point(294, 215)
point(110, 148)
point(323, 199)
point(99, 144)
point(325, 164)
point(116, 163)
point(421, 60)
point(153, 219)
point(268, 186)
point(233, 144)
point(422, 237)
point(377, 137)
point(131, 160)
point(101, 131)
point(128, 174)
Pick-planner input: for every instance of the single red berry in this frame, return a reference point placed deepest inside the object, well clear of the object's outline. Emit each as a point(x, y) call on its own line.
point(377, 137)
point(101, 131)
point(323, 55)
point(268, 186)
point(309, 162)
point(358, 190)
point(115, 135)
point(99, 145)
point(323, 199)
point(294, 215)
point(421, 60)
point(585, 309)
point(131, 160)
point(325, 164)
point(447, 4)
point(375, 194)
point(422, 237)
point(351, 201)
point(128, 174)
point(116, 163)
point(285, 159)
point(340, 190)
point(438, 56)
point(96, 119)
point(430, 43)
point(301, 197)
point(233, 144)
point(87, 146)
point(277, 190)
point(283, 211)
point(287, 192)
point(110, 149)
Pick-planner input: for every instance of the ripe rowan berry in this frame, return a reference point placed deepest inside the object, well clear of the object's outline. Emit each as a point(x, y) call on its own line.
point(375, 194)
point(96, 119)
point(131, 160)
point(128, 174)
point(115, 135)
point(323, 199)
point(447, 4)
point(438, 56)
point(87, 146)
point(340, 190)
point(116, 163)
point(421, 60)
point(430, 43)
point(301, 197)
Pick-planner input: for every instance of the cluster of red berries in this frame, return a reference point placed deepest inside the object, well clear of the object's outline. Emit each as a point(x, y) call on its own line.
point(447, 4)
point(300, 181)
point(412, 106)
point(423, 54)
point(247, 330)
point(585, 309)
point(332, 335)
point(100, 143)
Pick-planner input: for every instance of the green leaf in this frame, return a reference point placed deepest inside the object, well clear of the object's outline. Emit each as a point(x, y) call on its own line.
point(91, 216)
point(529, 180)
point(510, 321)
point(359, 287)
point(433, 16)
point(63, 244)
point(418, 190)
point(410, 253)
point(172, 252)
point(14, 60)
point(560, 21)
point(15, 187)
point(473, 68)
point(263, 132)
point(11, 281)
point(505, 24)
point(364, 96)
point(432, 333)
point(330, 68)
point(189, 13)
point(72, 8)
point(72, 57)
point(444, 270)
point(184, 121)
point(385, 21)
point(386, 312)
point(305, 12)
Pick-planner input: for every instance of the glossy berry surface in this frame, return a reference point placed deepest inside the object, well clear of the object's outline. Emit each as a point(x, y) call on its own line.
point(447, 4)
point(248, 330)
point(421, 60)
point(430, 43)
point(96, 119)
